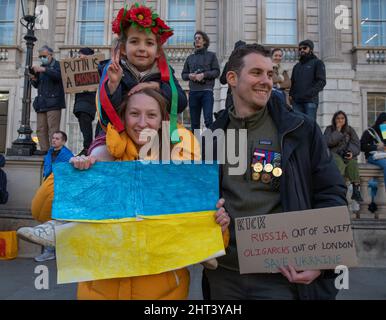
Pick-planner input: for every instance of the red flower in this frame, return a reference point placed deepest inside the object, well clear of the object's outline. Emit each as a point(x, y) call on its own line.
point(142, 16)
point(162, 25)
point(117, 21)
point(165, 36)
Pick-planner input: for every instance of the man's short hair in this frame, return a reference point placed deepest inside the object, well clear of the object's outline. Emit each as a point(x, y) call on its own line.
point(204, 36)
point(45, 47)
point(64, 135)
point(236, 60)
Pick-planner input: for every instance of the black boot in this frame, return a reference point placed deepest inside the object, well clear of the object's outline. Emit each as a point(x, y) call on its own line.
point(356, 194)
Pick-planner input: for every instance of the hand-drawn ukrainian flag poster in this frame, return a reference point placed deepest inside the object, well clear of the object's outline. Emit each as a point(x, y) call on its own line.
point(131, 219)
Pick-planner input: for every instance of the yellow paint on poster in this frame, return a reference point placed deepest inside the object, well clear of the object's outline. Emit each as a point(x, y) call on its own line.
point(94, 251)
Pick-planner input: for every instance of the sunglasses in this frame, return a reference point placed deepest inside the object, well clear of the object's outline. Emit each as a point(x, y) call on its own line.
point(303, 48)
point(42, 57)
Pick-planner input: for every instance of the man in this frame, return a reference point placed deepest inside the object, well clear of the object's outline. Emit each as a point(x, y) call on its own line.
point(305, 178)
point(84, 109)
point(201, 69)
point(41, 203)
point(50, 98)
point(307, 80)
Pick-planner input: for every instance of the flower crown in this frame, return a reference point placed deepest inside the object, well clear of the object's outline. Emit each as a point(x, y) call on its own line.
point(143, 18)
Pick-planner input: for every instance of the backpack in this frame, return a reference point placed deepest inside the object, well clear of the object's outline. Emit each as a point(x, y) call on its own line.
point(3, 183)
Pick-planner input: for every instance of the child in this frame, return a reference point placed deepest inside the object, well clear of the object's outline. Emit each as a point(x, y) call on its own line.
point(138, 62)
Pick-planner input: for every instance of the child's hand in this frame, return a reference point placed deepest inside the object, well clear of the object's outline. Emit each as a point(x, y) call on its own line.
point(82, 162)
point(115, 74)
point(222, 217)
point(144, 85)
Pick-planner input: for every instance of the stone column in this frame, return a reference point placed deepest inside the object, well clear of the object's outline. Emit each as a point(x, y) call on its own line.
point(230, 26)
point(330, 37)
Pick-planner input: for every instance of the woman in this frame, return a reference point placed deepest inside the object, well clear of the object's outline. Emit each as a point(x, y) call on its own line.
point(373, 140)
point(142, 112)
point(344, 144)
point(281, 79)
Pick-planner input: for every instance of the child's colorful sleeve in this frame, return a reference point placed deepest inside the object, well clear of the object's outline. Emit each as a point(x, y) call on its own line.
point(167, 93)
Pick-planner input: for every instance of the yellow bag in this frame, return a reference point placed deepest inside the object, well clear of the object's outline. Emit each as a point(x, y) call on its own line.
point(8, 245)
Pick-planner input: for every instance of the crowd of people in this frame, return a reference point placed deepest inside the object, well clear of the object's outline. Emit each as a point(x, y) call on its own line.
point(139, 91)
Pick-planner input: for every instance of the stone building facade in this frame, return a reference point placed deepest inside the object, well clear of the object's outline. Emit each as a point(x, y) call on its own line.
point(342, 30)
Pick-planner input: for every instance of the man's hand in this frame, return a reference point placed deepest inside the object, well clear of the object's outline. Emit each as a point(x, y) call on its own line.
point(144, 85)
point(193, 76)
point(82, 162)
point(38, 69)
point(200, 77)
point(221, 216)
point(302, 277)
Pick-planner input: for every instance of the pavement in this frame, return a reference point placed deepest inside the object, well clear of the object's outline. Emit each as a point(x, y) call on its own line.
point(18, 277)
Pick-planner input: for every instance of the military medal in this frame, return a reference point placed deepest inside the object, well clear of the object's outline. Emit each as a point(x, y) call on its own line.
point(256, 176)
point(258, 167)
point(277, 172)
point(268, 168)
point(266, 178)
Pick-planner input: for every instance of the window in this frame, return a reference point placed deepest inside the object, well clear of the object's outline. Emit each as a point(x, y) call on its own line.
point(182, 18)
point(373, 22)
point(376, 104)
point(7, 21)
point(281, 22)
point(91, 22)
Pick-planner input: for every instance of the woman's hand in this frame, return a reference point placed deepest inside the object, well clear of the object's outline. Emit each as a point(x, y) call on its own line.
point(83, 162)
point(381, 146)
point(144, 85)
point(349, 155)
point(221, 216)
point(302, 277)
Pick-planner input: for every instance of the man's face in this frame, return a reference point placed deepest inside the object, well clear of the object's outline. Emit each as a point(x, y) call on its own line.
point(57, 141)
point(304, 50)
point(199, 41)
point(253, 85)
point(45, 57)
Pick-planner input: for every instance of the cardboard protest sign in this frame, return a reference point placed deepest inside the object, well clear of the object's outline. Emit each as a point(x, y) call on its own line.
point(307, 240)
point(81, 74)
point(137, 219)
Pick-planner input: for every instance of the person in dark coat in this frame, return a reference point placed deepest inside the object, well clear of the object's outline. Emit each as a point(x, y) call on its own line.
point(223, 77)
point(84, 109)
point(344, 145)
point(201, 70)
point(373, 140)
point(307, 80)
point(50, 99)
point(3, 182)
point(306, 178)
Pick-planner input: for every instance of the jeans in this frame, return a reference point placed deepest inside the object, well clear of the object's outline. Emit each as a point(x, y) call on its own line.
point(201, 100)
point(308, 108)
point(380, 163)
